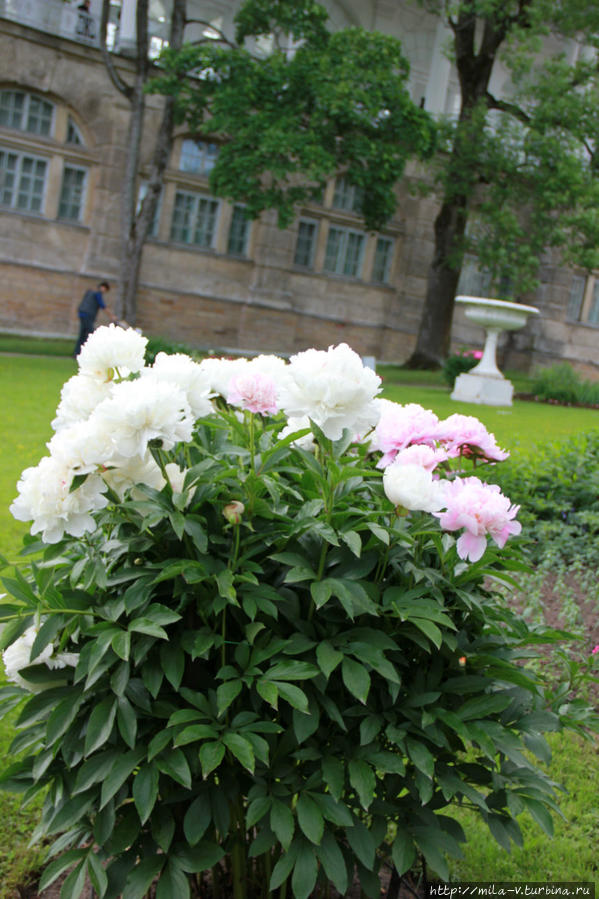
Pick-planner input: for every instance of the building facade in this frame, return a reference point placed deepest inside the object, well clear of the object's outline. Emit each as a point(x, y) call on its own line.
point(209, 276)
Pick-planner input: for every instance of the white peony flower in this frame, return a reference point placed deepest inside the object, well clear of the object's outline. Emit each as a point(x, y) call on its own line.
point(128, 472)
point(413, 487)
point(109, 349)
point(45, 497)
point(334, 389)
point(138, 412)
point(18, 656)
point(193, 380)
point(78, 398)
point(298, 424)
point(220, 372)
point(83, 447)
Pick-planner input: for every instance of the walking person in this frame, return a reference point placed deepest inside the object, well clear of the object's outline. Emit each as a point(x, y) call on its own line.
point(92, 302)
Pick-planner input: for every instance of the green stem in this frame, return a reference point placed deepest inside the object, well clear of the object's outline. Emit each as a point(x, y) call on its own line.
point(238, 858)
point(223, 633)
point(50, 612)
point(252, 442)
point(267, 874)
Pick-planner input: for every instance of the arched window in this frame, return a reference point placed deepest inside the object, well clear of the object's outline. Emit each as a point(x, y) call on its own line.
point(44, 163)
point(197, 157)
point(26, 112)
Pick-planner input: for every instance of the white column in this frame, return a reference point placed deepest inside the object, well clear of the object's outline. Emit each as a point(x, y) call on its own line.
point(127, 26)
point(438, 79)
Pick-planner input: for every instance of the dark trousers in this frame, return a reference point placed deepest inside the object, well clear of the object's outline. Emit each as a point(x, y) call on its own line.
point(86, 326)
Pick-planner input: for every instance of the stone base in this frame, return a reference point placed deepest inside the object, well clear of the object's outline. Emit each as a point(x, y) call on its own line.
point(483, 389)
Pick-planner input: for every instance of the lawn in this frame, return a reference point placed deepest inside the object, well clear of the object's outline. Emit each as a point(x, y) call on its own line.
point(31, 387)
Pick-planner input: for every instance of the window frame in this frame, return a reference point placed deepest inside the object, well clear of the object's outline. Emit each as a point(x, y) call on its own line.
point(342, 252)
point(388, 259)
point(204, 171)
point(23, 153)
point(246, 232)
point(315, 224)
point(75, 167)
point(25, 113)
point(347, 197)
point(196, 196)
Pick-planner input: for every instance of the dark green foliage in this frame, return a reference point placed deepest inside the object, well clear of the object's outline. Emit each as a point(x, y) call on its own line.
point(157, 345)
point(288, 121)
point(263, 698)
point(557, 488)
point(457, 364)
point(562, 384)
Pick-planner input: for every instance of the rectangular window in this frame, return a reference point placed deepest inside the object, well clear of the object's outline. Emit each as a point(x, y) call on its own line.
point(194, 219)
point(238, 233)
point(576, 298)
point(72, 193)
point(39, 116)
point(344, 252)
point(306, 243)
point(347, 196)
point(11, 109)
point(22, 181)
point(383, 255)
point(593, 316)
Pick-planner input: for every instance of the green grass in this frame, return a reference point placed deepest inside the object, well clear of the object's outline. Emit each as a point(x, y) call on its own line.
point(517, 428)
point(31, 388)
point(42, 346)
point(572, 853)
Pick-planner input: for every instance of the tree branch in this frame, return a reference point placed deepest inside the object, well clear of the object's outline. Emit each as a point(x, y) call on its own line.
point(121, 86)
point(509, 108)
point(221, 39)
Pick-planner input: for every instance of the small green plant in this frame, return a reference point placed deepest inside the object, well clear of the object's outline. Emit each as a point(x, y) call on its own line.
point(459, 363)
point(562, 384)
point(157, 345)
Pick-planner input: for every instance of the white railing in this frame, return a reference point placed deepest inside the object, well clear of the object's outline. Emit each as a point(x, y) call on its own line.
point(54, 17)
point(66, 20)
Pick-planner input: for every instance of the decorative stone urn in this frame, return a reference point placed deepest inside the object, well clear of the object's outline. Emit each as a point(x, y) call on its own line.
point(484, 384)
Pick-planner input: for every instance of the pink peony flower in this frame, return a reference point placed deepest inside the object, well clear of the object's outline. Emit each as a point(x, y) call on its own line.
point(464, 435)
point(595, 650)
point(422, 455)
point(480, 509)
point(399, 426)
point(254, 391)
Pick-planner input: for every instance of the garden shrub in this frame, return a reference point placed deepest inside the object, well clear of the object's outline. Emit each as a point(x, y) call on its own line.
point(459, 363)
point(557, 488)
point(248, 658)
point(561, 384)
point(157, 345)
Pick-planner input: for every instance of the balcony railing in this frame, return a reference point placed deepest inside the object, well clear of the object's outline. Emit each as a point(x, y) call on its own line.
point(54, 17)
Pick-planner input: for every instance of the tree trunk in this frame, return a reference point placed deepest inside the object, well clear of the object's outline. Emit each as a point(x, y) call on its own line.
point(474, 59)
point(432, 344)
point(136, 224)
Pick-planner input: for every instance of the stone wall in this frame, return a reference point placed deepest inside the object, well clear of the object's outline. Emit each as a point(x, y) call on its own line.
point(209, 298)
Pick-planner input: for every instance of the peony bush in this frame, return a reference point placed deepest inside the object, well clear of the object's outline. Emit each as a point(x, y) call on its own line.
point(257, 651)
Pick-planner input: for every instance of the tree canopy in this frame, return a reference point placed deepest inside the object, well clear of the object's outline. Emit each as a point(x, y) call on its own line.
point(515, 175)
point(318, 103)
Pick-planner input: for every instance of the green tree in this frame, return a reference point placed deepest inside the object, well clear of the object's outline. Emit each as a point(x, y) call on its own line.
point(135, 220)
point(521, 170)
point(316, 104)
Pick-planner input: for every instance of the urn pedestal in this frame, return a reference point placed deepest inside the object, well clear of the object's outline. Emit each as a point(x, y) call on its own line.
point(485, 384)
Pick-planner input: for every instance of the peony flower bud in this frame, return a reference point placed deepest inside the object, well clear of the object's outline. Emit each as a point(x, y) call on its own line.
point(234, 511)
